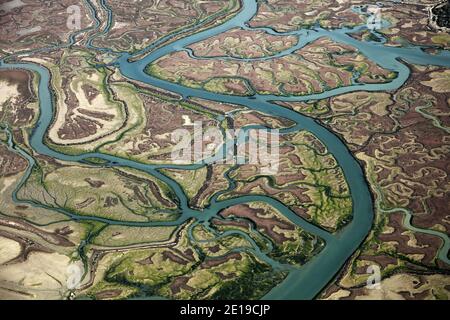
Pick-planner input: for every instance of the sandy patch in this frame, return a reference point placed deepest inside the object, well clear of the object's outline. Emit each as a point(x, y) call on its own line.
point(339, 295)
point(187, 120)
point(9, 249)
point(7, 91)
point(119, 25)
point(99, 104)
point(42, 276)
point(5, 183)
point(391, 287)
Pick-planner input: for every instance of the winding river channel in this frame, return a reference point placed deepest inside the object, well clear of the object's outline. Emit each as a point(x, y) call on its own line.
point(304, 282)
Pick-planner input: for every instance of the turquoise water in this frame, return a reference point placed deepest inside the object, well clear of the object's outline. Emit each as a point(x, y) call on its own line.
point(307, 281)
